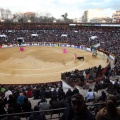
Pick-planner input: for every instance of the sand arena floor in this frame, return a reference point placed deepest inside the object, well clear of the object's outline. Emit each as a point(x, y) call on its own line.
point(42, 64)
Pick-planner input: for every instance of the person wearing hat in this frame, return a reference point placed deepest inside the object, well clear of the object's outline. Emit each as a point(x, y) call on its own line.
point(77, 110)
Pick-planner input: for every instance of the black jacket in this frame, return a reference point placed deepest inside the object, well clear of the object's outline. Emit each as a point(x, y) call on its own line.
point(83, 115)
point(12, 118)
point(37, 116)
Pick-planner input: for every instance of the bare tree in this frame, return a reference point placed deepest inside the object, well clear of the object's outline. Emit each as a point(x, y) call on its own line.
point(7, 14)
point(18, 17)
point(2, 13)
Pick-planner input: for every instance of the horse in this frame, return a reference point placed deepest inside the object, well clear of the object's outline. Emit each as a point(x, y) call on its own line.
point(79, 58)
point(94, 54)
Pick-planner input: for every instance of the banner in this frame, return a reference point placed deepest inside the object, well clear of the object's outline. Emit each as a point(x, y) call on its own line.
point(3, 36)
point(93, 38)
point(64, 35)
point(34, 35)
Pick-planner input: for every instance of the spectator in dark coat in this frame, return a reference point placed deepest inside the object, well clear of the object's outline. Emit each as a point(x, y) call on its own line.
point(53, 98)
point(64, 101)
point(118, 94)
point(26, 106)
point(36, 93)
point(56, 104)
point(2, 110)
point(103, 97)
point(97, 86)
point(75, 91)
point(37, 116)
point(54, 93)
point(11, 111)
point(116, 84)
point(69, 93)
point(61, 93)
point(77, 110)
point(12, 103)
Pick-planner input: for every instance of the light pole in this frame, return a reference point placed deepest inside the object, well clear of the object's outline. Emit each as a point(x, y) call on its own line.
point(2, 21)
point(29, 21)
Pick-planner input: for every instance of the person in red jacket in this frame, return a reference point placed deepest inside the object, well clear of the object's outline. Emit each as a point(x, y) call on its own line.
point(29, 93)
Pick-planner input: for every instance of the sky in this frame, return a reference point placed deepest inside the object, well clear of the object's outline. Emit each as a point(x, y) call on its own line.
point(74, 8)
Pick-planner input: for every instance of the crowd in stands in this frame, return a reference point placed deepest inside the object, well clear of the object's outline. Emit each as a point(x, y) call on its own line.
point(14, 98)
point(87, 75)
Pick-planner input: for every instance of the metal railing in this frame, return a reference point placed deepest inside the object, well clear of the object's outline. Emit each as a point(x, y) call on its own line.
point(52, 113)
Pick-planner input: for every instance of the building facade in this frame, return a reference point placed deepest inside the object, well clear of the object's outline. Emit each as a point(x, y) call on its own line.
point(29, 16)
point(101, 20)
point(116, 17)
point(92, 13)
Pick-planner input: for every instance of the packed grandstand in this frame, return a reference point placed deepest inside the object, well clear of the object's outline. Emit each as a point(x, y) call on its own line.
point(53, 94)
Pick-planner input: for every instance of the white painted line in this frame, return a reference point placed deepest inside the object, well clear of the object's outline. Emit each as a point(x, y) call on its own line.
point(44, 73)
point(42, 68)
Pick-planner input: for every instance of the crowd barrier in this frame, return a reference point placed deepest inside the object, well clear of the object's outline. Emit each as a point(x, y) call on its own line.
point(104, 54)
point(82, 47)
point(58, 112)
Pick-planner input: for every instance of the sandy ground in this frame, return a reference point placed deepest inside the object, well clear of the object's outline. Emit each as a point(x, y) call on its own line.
point(38, 64)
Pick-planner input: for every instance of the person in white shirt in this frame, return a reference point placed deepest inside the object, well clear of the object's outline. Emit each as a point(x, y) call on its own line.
point(7, 93)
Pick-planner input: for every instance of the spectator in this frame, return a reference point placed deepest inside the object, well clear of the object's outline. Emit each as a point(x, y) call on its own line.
point(7, 93)
point(11, 111)
point(56, 104)
point(103, 97)
point(77, 110)
point(116, 84)
point(97, 86)
point(2, 110)
point(75, 91)
point(2, 90)
point(110, 112)
point(61, 93)
point(12, 103)
point(26, 106)
point(29, 92)
point(90, 96)
point(20, 99)
point(118, 94)
point(37, 115)
point(64, 101)
point(36, 93)
point(44, 105)
point(69, 93)
point(54, 93)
